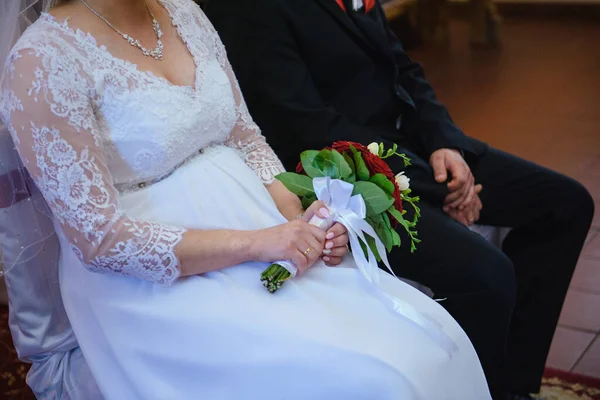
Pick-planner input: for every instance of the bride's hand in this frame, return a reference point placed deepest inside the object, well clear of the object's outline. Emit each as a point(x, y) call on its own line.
point(336, 244)
point(296, 241)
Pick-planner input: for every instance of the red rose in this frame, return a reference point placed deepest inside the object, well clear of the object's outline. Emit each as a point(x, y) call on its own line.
point(377, 166)
point(342, 146)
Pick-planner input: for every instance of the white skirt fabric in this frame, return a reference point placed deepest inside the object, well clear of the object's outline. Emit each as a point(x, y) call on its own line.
point(219, 336)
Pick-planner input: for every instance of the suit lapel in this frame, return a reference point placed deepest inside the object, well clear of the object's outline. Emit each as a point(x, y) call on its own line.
point(344, 19)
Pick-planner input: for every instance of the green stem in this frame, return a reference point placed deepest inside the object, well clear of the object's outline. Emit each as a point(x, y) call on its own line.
point(274, 276)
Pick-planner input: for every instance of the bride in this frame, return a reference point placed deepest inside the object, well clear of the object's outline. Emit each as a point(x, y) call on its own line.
point(128, 116)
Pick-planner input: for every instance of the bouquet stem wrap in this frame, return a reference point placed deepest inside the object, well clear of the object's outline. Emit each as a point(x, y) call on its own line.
point(350, 211)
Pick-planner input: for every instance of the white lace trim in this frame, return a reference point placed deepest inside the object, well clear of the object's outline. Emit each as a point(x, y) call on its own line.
point(258, 156)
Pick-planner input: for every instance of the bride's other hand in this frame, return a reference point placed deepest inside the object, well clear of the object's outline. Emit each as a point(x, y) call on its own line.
point(317, 208)
point(336, 244)
point(297, 241)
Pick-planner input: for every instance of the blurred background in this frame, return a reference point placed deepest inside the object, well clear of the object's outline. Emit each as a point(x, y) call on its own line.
point(524, 76)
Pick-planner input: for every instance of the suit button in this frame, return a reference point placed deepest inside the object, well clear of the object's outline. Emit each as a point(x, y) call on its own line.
point(398, 123)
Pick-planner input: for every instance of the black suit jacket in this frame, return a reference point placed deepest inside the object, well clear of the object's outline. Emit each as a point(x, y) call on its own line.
point(313, 74)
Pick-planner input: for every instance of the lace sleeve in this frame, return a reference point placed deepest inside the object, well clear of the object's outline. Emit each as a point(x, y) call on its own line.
point(247, 139)
point(47, 106)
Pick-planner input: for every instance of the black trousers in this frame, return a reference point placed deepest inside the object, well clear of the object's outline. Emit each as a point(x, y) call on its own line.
point(508, 301)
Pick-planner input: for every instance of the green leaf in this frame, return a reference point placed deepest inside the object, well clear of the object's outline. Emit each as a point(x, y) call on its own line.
point(396, 238)
point(352, 177)
point(307, 158)
point(362, 172)
point(385, 236)
point(373, 248)
point(386, 220)
point(396, 214)
point(375, 198)
point(325, 162)
point(375, 220)
point(382, 226)
point(405, 159)
point(407, 225)
point(383, 182)
point(371, 244)
point(319, 160)
point(342, 164)
point(308, 200)
point(300, 185)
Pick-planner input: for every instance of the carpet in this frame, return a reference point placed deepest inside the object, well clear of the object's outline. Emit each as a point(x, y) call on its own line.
point(12, 371)
point(557, 385)
point(561, 385)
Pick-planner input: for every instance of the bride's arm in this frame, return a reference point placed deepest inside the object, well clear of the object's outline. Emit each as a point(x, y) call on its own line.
point(46, 105)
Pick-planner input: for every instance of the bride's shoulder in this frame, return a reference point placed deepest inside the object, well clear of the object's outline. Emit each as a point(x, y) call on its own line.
point(45, 49)
point(45, 36)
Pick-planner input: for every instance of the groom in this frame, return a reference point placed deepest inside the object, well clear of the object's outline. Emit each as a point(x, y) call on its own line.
point(317, 71)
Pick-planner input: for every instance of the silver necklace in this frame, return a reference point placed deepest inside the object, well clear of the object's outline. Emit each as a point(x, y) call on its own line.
point(156, 53)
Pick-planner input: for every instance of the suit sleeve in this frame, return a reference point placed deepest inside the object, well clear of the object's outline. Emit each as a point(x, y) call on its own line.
point(432, 127)
point(276, 82)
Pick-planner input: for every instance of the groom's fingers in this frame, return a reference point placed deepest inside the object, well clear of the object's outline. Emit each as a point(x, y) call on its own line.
point(438, 163)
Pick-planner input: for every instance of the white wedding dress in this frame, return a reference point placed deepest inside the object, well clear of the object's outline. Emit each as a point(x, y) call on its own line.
point(127, 161)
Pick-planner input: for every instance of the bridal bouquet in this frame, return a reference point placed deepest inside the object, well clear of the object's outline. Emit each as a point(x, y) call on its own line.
point(362, 193)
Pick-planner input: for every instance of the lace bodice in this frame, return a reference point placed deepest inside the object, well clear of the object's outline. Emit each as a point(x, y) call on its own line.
point(88, 125)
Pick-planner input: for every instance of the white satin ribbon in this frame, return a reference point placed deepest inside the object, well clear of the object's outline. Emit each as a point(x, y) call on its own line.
point(351, 211)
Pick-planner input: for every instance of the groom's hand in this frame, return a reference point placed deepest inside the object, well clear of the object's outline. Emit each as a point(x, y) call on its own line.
point(462, 189)
point(468, 215)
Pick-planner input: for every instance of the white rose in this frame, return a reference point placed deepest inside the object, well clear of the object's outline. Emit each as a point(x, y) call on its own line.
point(402, 181)
point(374, 148)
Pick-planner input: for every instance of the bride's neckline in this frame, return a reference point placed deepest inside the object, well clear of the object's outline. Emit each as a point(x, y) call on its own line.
point(129, 65)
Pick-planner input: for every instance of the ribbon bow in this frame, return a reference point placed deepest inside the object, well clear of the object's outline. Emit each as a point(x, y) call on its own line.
point(351, 211)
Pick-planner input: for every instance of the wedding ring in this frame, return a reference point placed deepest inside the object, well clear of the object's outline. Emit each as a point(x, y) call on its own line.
point(307, 251)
